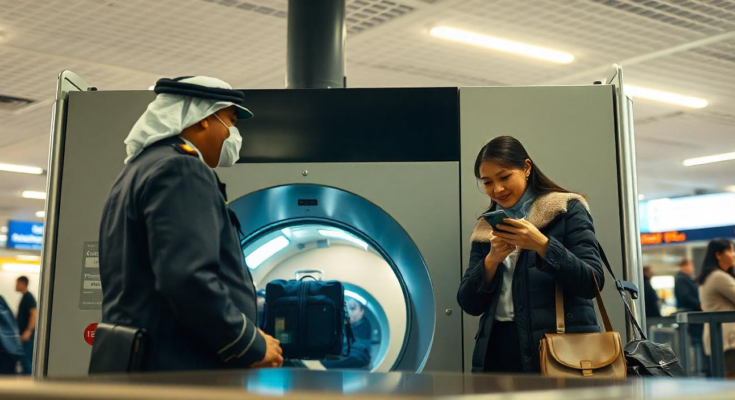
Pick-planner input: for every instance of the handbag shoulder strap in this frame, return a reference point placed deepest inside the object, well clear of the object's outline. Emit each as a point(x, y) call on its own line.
point(561, 325)
point(601, 306)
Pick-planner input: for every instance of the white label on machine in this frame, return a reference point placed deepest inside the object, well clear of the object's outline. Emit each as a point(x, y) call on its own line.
point(92, 262)
point(90, 292)
point(93, 285)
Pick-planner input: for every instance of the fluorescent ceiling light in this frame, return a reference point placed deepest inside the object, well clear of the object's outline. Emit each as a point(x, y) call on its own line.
point(665, 97)
point(709, 159)
point(507, 46)
point(21, 169)
point(344, 236)
point(40, 214)
point(29, 194)
point(25, 257)
point(26, 268)
point(356, 296)
point(266, 251)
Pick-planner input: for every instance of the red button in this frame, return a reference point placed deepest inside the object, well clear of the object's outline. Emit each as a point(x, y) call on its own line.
point(89, 333)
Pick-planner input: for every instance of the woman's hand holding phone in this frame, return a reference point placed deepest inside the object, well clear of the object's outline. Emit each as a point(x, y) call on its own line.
point(521, 233)
point(499, 250)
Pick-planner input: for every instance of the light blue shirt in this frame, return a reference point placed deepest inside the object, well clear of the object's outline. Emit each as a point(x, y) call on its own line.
point(505, 310)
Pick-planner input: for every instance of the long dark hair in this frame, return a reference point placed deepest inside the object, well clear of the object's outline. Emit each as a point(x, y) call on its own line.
point(710, 263)
point(508, 152)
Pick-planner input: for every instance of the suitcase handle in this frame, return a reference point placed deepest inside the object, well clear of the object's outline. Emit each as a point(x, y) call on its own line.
point(314, 274)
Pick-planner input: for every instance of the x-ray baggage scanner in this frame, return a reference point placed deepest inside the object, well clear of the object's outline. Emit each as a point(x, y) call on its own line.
point(372, 187)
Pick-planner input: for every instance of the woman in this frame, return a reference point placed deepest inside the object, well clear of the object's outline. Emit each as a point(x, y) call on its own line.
point(548, 238)
point(717, 293)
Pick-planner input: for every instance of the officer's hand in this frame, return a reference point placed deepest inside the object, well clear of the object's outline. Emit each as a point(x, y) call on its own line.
point(273, 353)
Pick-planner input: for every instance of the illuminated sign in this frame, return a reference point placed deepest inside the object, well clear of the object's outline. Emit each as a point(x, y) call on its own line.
point(25, 235)
point(649, 239)
point(692, 235)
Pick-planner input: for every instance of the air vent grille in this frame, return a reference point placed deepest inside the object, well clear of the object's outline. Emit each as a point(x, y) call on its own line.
point(360, 15)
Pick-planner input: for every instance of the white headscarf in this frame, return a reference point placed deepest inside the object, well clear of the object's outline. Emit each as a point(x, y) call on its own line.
point(169, 114)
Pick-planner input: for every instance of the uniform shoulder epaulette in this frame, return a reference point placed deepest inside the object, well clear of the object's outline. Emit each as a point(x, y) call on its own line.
point(184, 148)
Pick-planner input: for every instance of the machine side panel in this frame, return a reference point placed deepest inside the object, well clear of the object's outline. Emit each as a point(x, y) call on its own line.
point(98, 123)
point(570, 133)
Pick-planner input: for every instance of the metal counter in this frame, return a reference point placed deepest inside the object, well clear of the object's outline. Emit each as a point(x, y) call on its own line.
point(304, 384)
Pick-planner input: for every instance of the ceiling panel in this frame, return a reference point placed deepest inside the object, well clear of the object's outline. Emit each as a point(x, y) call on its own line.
point(681, 46)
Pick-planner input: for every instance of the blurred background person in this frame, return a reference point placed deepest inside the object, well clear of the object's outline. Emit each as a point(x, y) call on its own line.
point(686, 293)
point(26, 323)
point(11, 349)
point(359, 352)
point(717, 292)
point(649, 294)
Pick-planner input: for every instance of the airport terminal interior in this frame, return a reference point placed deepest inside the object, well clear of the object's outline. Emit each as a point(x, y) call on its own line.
point(306, 199)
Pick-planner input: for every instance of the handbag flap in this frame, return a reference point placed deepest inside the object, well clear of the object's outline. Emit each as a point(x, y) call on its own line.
point(584, 350)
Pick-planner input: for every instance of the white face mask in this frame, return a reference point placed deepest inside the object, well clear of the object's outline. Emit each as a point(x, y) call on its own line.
point(230, 152)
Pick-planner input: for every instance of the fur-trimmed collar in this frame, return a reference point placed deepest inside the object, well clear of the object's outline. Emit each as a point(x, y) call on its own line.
point(543, 211)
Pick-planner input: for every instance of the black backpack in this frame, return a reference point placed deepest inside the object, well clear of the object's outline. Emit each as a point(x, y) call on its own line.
point(308, 317)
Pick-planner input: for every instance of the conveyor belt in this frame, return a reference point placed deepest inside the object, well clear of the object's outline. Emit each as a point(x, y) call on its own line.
point(304, 384)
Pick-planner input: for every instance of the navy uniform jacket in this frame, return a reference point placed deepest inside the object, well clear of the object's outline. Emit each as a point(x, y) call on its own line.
point(170, 262)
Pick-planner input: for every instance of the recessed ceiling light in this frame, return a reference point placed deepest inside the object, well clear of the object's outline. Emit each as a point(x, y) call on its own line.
point(40, 214)
point(499, 44)
point(21, 169)
point(709, 159)
point(29, 194)
point(665, 97)
point(266, 251)
point(301, 233)
point(344, 236)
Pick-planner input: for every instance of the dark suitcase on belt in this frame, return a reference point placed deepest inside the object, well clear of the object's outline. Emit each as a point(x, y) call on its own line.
point(307, 316)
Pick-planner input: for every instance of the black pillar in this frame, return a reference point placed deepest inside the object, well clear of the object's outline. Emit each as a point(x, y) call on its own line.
point(316, 43)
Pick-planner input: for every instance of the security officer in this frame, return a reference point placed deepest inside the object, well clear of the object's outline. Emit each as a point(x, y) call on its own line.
point(170, 258)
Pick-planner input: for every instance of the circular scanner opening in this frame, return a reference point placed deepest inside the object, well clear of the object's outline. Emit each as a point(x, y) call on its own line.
point(374, 295)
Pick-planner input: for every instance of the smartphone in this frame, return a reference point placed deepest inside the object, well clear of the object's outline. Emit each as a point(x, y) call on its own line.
point(494, 218)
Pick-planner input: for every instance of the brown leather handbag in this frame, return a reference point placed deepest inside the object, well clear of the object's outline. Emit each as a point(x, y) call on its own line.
point(582, 355)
